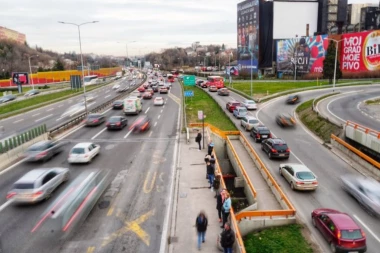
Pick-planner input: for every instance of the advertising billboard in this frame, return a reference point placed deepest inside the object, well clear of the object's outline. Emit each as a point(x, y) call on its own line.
point(305, 54)
point(248, 35)
point(232, 71)
point(20, 78)
point(360, 52)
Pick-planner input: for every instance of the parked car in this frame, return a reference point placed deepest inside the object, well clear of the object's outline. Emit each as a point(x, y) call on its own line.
point(37, 185)
point(340, 230)
point(31, 93)
point(42, 151)
point(248, 122)
point(250, 104)
point(223, 92)
point(230, 106)
point(83, 152)
point(158, 101)
point(285, 120)
point(116, 122)
point(7, 98)
point(275, 148)
point(94, 119)
point(293, 99)
point(212, 89)
point(240, 112)
point(365, 190)
point(118, 104)
point(299, 176)
point(260, 133)
point(163, 90)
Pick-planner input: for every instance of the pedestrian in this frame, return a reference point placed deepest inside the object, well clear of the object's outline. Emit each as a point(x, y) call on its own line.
point(210, 174)
point(198, 139)
point(219, 203)
point(201, 225)
point(207, 159)
point(210, 147)
point(212, 160)
point(227, 239)
point(226, 208)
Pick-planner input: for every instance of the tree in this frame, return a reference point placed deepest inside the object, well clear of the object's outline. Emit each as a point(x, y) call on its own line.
point(329, 62)
point(58, 65)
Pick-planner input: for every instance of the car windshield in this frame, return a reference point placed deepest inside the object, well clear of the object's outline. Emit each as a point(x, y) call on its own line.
point(280, 146)
point(264, 131)
point(114, 119)
point(37, 148)
point(251, 103)
point(242, 110)
point(305, 175)
point(236, 104)
point(23, 186)
point(77, 151)
point(253, 121)
point(351, 234)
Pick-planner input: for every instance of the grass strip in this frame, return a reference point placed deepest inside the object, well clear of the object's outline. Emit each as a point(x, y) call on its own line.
point(284, 239)
point(373, 102)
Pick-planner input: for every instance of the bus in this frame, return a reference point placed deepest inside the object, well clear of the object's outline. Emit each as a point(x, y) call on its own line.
point(90, 80)
point(217, 81)
point(170, 78)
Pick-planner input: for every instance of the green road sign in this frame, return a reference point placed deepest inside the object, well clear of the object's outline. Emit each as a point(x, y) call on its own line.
point(189, 80)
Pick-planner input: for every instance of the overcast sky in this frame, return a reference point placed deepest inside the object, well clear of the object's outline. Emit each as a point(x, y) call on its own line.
point(153, 24)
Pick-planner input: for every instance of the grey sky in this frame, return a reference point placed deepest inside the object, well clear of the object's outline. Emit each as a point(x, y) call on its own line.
point(154, 24)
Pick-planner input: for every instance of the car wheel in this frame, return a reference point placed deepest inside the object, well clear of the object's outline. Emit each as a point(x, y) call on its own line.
point(332, 247)
point(270, 155)
point(280, 171)
point(292, 186)
point(314, 222)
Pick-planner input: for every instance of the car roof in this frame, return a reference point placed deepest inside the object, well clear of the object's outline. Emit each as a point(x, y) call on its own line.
point(343, 221)
point(32, 176)
point(278, 141)
point(158, 98)
point(247, 117)
point(240, 107)
point(297, 167)
point(40, 143)
point(82, 145)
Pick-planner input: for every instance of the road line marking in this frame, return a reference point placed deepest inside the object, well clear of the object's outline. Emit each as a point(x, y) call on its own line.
point(107, 96)
point(159, 116)
point(3, 206)
point(96, 135)
point(130, 131)
point(17, 121)
point(328, 109)
point(36, 114)
point(59, 119)
point(369, 230)
point(11, 167)
point(90, 249)
point(110, 211)
point(44, 117)
point(152, 182)
point(162, 111)
point(150, 134)
point(155, 123)
point(147, 110)
point(48, 110)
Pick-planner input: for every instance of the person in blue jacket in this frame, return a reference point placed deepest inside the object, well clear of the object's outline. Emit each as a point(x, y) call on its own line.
point(226, 208)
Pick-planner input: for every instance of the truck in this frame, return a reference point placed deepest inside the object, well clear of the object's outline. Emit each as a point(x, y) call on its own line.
point(132, 106)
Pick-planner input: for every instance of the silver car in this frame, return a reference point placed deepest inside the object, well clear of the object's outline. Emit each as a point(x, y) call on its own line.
point(248, 122)
point(299, 176)
point(365, 190)
point(250, 104)
point(37, 185)
point(42, 151)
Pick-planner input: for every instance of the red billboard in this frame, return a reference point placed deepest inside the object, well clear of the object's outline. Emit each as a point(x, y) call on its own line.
point(360, 52)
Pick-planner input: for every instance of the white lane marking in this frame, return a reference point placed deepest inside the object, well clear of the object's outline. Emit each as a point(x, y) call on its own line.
point(147, 110)
point(70, 132)
point(59, 119)
point(44, 117)
point(107, 96)
point(34, 115)
point(158, 116)
point(17, 121)
point(155, 124)
point(3, 206)
point(96, 135)
point(106, 111)
point(130, 131)
point(150, 134)
point(333, 114)
point(164, 106)
point(48, 110)
point(368, 229)
point(11, 167)
point(162, 111)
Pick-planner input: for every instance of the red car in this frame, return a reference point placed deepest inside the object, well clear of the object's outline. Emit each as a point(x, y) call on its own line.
point(340, 230)
point(231, 106)
point(147, 95)
point(141, 89)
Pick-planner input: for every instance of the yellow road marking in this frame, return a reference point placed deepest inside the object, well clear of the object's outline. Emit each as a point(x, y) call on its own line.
point(133, 226)
point(175, 98)
point(118, 213)
point(147, 190)
point(110, 211)
point(90, 249)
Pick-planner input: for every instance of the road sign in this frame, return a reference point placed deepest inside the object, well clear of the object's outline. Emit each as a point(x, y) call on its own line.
point(189, 93)
point(200, 114)
point(189, 80)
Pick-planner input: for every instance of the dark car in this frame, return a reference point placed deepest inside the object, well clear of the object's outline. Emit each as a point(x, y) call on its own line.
point(155, 88)
point(340, 230)
point(223, 92)
point(7, 98)
point(116, 122)
point(141, 124)
point(285, 120)
point(117, 104)
point(42, 151)
point(231, 106)
point(147, 95)
point(94, 119)
point(293, 99)
point(260, 133)
point(275, 148)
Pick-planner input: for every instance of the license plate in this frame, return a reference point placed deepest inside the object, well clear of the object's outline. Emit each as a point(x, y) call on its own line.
point(307, 182)
point(265, 136)
point(112, 124)
point(282, 154)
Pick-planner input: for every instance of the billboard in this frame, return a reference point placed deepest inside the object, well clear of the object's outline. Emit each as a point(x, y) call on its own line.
point(9, 34)
point(20, 78)
point(360, 52)
point(306, 54)
point(248, 34)
point(232, 70)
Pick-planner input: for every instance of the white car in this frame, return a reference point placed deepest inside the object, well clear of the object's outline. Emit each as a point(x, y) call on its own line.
point(158, 101)
point(250, 104)
point(299, 176)
point(116, 86)
point(83, 152)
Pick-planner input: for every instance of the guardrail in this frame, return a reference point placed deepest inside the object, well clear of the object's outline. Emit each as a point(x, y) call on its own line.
point(215, 130)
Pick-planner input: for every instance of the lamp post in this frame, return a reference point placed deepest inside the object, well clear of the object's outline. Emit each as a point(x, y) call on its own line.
point(81, 56)
point(30, 69)
point(251, 69)
point(336, 57)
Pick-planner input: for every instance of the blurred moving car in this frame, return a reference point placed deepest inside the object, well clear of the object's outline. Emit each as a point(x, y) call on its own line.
point(123, 88)
point(118, 104)
point(163, 90)
point(116, 86)
point(285, 120)
point(150, 90)
point(248, 122)
point(240, 112)
point(141, 124)
point(141, 89)
point(116, 122)
point(212, 89)
point(340, 230)
point(230, 106)
point(7, 98)
point(83, 152)
point(42, 151)
point(147, 95)
point(250, 104)
point(275, 148)
point(293, 99)
point(94, 119)
point(155, 88)
point(31, 93)
point(365, 190)
point(260, 133)
point(158, 101)
point(298, 176)
point(37, 185)
point(74, 110)
point(223, 92)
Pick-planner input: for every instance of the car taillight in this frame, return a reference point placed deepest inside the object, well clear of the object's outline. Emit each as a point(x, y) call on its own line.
point(270, 135)
point(273, 150)
point(300, 183)
point(42, 154)
point(36, 194)
point(338, 235)
point(145, 126)
point(107, 124)
point(11, 194)
point(95, 121)
point(315, 182)
point(287, 150)
point(118, 124)
point(257, 135)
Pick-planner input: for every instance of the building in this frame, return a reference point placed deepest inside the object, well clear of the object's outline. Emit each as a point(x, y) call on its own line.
point(8, 34)
point(331, 13)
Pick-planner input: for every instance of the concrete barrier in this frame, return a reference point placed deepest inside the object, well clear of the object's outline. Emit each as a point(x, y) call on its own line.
point(261, 222)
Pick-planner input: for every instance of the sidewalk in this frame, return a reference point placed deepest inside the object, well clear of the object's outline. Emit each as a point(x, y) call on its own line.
point(194, 196)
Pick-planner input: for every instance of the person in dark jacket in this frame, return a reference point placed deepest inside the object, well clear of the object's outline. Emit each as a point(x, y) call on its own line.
point(210, 173)
point(227, 239)
point(201, 225)
point(219, 203)
point(210, 147)
point(198, 139)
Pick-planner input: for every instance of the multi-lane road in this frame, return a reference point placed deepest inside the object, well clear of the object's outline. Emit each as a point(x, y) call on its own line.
point(132, 219)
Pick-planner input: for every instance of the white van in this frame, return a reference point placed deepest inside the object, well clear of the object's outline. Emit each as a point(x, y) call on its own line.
point(132, 106)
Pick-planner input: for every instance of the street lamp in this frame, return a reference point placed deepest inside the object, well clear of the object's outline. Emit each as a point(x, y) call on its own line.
point(30, 69)
point(336, 57)
point(251, 67)
point(81, 56)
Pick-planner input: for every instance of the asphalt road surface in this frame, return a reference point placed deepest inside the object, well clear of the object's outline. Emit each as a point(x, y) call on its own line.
point(327, 167)
point(140, 165)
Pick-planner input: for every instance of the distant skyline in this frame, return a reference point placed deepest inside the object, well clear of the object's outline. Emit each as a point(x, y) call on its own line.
point(154, 24)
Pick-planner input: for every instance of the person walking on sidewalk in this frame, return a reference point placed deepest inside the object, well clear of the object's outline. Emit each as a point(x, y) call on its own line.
point(219, 203)
point(226, 208)
point(210, 147)
point(210, 174)
point(201, 225)
point(198, 139)
point(227, 239)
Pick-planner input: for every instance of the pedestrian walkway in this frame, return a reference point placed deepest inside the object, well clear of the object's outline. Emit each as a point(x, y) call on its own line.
point(265, 198)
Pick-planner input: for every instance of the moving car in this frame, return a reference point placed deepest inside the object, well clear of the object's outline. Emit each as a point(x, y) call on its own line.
point(298, 176)
point(141, 124)
point(83, 152)
point(141, 89)
point(116, 122)
point(132, 105)
point(365, 190)
point(340, 230)
point(248, 122)
point(116, 86)
point(240, 112)
point(74, 110)
point(212, 89)
point(147, 95)
point(155, 88)
point(7, 98)
point(163, 90)
point(285, 120)
point(158, 101)
point(223, 92)
point(42, 151)
point(31, 93)
point(230, 106)
point(94, 119)
point(275, 148)
point(293, 99)
point(260, 133)
point(118, 104)
point(250, 104)
point(150, 90)
point(37, 185)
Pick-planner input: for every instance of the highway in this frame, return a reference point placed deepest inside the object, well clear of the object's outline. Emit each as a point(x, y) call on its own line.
point(140, 165)
point(309, 151)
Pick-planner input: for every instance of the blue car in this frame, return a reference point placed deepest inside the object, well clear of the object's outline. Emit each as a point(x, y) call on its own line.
point(240, 112)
